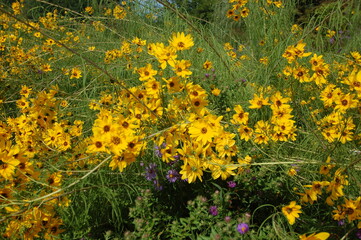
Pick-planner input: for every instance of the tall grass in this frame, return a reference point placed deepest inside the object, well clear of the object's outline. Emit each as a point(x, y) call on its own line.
point(77, 190)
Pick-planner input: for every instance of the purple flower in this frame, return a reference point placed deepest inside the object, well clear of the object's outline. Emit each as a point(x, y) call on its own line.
point(227, 219)
point(157, 185)
point(207, 75)
point(242, 228)
point(341, 222)
point(213, 210)
point(151, 171)
point(358, 234)
point(172, 176)
point(157, 151)
point(231, 184)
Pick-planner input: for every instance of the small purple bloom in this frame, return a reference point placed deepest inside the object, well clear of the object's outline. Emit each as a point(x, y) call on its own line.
point(213, 210)
point(157, 151)
point(231, 184)
point(242, 228)
point(341, 222)
point(172, 176)
point(227, 219)
point(207, 75)
point(157, 185)
point(358, 234)
point(151, 171)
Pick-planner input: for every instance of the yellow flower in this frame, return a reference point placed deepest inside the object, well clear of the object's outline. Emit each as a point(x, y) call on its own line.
point(278, 4)
point(207, 65)
point(292, 212)
point(22, 103)
point(97, 145)
point(25, 91)
point(153, 87)
point(146, 73)
point(122, 162)
point(230, 13)
point(241, 117)
point(54, 179)
point(316, 61)
point(192, 169)
point(216, 92)
point(345, 102)
point(314, 236)
point(244, 12)
point(292, 172)
point(181, 42)
point(46, 68)
point(89, 10)
point(119, 12)
point(330, 33)
point(202, 131)
point(75, 73)
point(245, 132)
point(173, 84)
point(300, 73)
point(181, 68)
point(8, 162)
point(264, 60)
point(258, 101)
point(222, 168)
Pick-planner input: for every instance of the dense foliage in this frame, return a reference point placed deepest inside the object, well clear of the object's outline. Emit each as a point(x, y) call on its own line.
point(233, 119)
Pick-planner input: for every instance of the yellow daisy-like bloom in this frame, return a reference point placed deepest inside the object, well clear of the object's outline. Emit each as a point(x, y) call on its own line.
point(230, 13)
point(292, 212)
point(222, 168)
point(207, 65)
point(202, 131)
point(258, 101)
point(7, 165)
point(192, 170)
point(173, 84)
point(241, 117)
point(121, 162)
point(146, 73)
point(75, 73)
point(181, 68)
point(54, 179)
point(245, 132)
point(244, 12)
point(25, 91)
point(181, 42)
point(345, 102)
